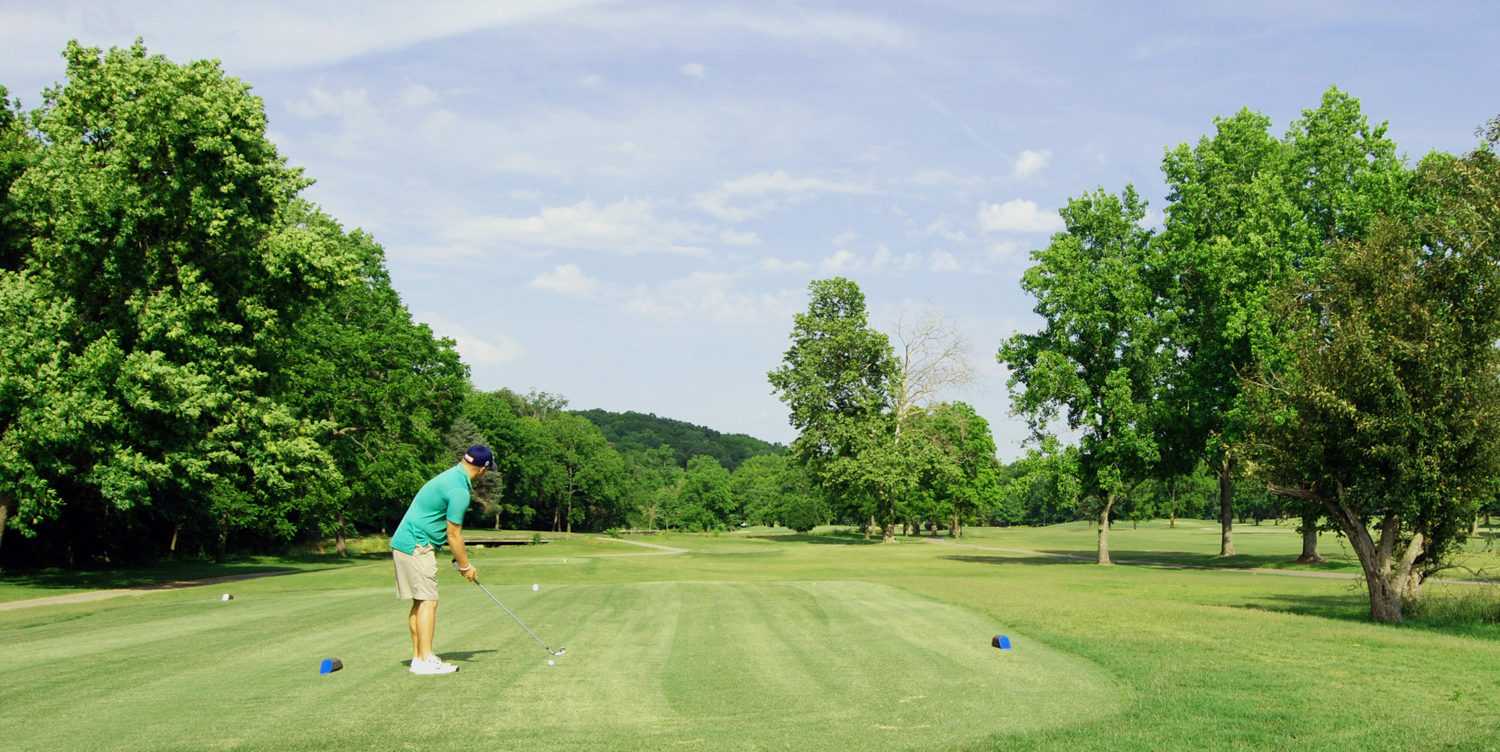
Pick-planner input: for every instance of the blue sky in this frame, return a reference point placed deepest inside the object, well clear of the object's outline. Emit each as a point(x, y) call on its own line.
point(623, 202)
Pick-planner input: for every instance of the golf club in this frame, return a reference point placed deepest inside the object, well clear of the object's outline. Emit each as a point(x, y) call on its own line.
point(559, 651)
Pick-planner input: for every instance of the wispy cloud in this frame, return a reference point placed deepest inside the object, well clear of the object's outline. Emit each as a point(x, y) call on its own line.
point(711, 296)
point(1019, 215)
point(566, 279)
point(628, 226)
point(489, 349)
point(731, 237)
point(943, 228)
point(768, 191)
point(696, 70)
point(1030, 163)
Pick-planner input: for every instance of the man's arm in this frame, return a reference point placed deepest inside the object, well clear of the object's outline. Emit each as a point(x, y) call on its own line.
point(456, 542)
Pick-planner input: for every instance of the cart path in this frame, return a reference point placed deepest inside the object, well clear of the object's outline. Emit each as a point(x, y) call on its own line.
point(99, 595)
point(1168, 565)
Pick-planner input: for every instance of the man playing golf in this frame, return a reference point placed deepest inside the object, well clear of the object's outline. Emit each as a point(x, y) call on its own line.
point(436, 515)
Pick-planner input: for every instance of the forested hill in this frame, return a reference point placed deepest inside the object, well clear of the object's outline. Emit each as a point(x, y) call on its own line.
point(640, 431)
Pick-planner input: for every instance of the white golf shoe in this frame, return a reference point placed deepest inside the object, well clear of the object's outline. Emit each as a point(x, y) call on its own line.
point(432, 666)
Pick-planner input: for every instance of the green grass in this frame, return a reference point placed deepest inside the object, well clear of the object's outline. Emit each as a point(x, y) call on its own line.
point(762, 640)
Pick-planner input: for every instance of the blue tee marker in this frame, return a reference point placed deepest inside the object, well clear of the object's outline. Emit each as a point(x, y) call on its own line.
point(330, 665)
point(1001, 641)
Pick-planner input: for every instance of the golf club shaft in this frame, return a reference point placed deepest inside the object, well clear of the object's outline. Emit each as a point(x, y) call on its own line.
point(513, 616)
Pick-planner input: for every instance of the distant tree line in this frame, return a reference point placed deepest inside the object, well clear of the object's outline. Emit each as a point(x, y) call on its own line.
point(633, 432)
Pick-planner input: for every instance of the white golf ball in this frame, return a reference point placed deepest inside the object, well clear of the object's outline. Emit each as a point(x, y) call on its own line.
point(534, 588)
point(549, 663)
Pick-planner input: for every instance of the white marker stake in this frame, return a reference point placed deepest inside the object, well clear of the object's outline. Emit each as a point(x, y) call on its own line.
point(534, 588)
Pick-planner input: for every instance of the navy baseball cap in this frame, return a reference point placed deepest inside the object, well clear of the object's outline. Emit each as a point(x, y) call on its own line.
point(480, 456)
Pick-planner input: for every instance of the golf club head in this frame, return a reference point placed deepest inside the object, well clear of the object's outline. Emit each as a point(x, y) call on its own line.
point(560, 651)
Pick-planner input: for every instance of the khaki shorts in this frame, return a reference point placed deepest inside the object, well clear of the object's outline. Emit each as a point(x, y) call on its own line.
point(416, 574)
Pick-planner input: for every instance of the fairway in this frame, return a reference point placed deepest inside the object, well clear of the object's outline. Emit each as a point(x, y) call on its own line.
point(717, 665)
point(759, 641)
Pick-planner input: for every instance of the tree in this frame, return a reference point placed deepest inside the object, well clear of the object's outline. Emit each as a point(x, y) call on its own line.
point(1384, 406)
point(384, 385)
point(968, 476)
point(591, 474)
point(837, 379)
point(705, 493)
point(1099, 355)
point(1246, 212)
point(161, 222)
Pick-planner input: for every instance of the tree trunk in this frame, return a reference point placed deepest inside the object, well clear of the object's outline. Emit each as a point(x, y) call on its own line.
point(5, 515)
point(1226, 510)
point(1309, 541)
point(1172, 523)
point(1104, 532)
point(870, 527)
point(1384, 586)
point(1135, 523)
point(172, 547)
point(223, 552)
point(339, 536)
point(890, 522)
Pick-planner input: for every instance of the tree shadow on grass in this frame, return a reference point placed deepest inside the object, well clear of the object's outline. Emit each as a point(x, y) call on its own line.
point(818, 540)
point(164, 574)
point(1179, 559)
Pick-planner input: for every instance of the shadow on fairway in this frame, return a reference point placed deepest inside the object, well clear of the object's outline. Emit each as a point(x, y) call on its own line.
point(817, 540)
point(163, 574)
point(1171, 559)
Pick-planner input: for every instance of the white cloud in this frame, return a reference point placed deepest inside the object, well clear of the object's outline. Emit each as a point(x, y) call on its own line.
point(943, 228)
point(882, 257)
point(1030, 163)
point(359, 119)
point(628, 226)
point(1002, 251)
point(568, 280)
point(417, 95)
point(769, 264)
point(840, 261)
point(770, 191)
point(696, 70)
point(1017, 216)
point(591, 81)
point(711, 296)
point(940, 178)
point(488, 350)
point(520, 161)
point(942, 261)
point(730, 237)
point(526, 195)
point(845, 237)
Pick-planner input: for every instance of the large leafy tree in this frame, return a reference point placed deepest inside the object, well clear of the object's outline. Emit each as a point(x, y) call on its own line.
point(837, 379)
point(160, 224)
point(705, 495)
point(1099, 358)
point(968, 475)
point(1246, 212)
point(590, 476)
point(1383, 408)
point(383, 386)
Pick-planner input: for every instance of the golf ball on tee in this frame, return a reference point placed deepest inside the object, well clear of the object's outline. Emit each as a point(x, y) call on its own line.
point(534, 588)
point(549, 663)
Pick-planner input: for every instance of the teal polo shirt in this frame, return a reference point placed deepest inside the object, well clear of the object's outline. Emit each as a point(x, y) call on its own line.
point(442, 500)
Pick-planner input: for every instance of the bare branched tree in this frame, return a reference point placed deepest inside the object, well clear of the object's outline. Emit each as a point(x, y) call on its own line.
point(934, 356)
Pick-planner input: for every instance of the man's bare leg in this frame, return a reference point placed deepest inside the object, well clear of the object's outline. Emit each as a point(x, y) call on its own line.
point(411, 622)
point(423, 622)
